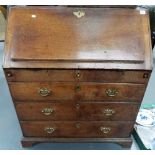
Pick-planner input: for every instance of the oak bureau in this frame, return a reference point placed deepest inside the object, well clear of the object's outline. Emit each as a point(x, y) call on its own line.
point(77, 74)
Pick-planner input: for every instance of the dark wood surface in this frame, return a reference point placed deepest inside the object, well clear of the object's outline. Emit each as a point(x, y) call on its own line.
point(124, 142)
point(90, 38)
point(40, 75)
point(28, 111)
point(102, 38)
point(78, 129)
point(82, 91)
point(97, 91)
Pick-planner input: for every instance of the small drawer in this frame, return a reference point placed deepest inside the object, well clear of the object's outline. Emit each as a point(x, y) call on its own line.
point(77, 129)
point(39, 75)
point(66, 111)
point(110, 76)
point(53, 75)
point(83, 91)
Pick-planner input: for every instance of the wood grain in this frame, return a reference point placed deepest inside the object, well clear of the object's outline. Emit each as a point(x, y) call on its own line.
point(84, 91)
point(81, 39)
point(40, 75)
point(74, 111)
point(69, 129)
point(30, 141)
point(70, 42)
point(97, 91)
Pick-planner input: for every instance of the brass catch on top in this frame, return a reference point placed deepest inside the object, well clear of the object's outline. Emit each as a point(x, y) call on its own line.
point(79, 14)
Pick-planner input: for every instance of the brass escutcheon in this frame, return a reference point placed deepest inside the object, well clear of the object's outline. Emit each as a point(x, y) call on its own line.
point(44, 92)
point(111, 92)
point(77, 106)
point(105, 130)
point(78, 74)
point(78, 88)
point(49, 130)
point(77, 125)
point(108, 112)
point(47, 111)
point(79, 13)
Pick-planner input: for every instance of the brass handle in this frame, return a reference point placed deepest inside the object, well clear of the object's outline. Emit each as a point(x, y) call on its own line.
point(49, 130)
point(44, 92)
point(108, 112)
point(47, 111)
point(111, 92)
point(105, 130)
point(79, 14)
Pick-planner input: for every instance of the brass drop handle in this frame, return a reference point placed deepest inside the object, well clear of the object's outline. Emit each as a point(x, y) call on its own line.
point(105, 130)
point(49, 130)
point(44, 92)
point(108, 112)
point(111, 92)
point(47, 111)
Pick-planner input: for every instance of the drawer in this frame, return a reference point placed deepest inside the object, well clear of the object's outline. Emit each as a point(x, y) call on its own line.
point(42, 91)
point(46, 111)
point(41, 75)
point(96, 111)
point(108, 111)
point(112, 76)
point(82, 91)
point(76, 129)
point(110, 91)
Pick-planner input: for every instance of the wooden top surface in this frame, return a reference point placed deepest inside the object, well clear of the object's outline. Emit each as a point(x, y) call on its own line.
point(54, 37)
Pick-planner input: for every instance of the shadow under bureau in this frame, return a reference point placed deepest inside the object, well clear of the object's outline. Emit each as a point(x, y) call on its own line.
point(77, 74)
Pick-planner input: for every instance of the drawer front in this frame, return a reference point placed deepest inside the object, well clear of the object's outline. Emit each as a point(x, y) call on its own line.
point(46, 111)
point(110, 91)
point(106, 111)
point(42, 91)
point(80, 91)
point(112, 76)
point(40, 75)
point(80, 111)
point(76, 129)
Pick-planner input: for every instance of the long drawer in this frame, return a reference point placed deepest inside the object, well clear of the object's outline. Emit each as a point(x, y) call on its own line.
point(83, 91)
point(40, 75)
point(96, 111)
point(76, 129)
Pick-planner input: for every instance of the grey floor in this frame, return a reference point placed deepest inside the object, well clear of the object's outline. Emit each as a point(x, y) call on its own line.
point(10, 131)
